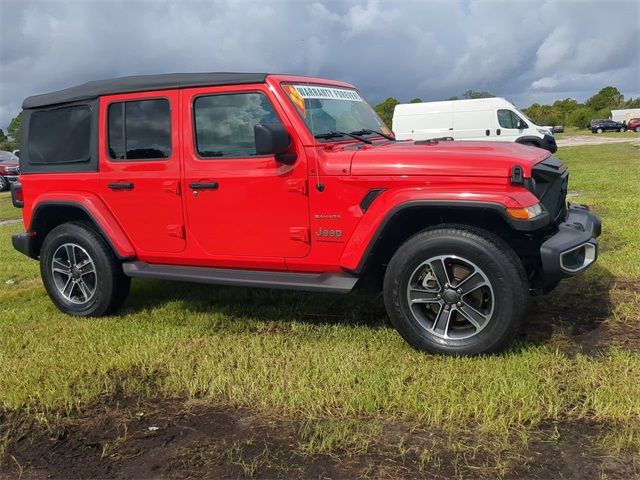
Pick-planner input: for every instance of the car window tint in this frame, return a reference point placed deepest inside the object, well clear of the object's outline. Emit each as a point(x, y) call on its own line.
point(224, 123)
point(139, 130)
point(507, 119)
point(61, 135)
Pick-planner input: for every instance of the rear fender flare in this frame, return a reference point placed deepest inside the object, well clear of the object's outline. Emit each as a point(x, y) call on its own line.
point(95, 209)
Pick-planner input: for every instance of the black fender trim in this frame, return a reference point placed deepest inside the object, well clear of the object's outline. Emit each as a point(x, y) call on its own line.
point(548, 142)
point(97, 226)
point(334, 282)
point(518, 225)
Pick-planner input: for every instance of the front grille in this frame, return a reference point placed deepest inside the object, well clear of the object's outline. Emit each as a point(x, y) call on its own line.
point(551, 182)
point(12, 170)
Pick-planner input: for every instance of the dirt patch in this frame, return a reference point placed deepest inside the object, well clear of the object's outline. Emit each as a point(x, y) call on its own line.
point(170, 438)
point(577, 140)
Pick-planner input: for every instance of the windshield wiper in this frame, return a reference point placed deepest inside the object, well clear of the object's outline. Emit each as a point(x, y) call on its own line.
point(366, 131)
point(335, 133)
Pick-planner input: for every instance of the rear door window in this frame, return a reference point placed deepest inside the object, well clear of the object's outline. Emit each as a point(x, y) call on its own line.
point(61, 135)
point(139, 130)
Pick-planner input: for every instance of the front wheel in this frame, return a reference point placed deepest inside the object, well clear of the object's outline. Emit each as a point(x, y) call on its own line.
point(599, 130)
point(637, 129)
point(621, 129)
point(3, 183)
point(80, 272)
point(456, 290)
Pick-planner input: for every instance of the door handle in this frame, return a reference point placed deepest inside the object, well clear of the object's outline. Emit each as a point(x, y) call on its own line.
point(487, 132)
point(203, 185)
point(498, 131)
point(121, 186)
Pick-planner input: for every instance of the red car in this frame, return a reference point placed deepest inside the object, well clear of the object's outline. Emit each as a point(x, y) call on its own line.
point(290, 182)
point(634, 124)
point(8, 169)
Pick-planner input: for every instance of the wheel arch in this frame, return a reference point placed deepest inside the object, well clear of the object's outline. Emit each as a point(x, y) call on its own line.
point(407, 219)
point(529, 140)
point(49, 214)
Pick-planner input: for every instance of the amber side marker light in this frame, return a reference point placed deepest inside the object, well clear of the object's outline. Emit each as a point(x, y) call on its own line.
point(526, 213)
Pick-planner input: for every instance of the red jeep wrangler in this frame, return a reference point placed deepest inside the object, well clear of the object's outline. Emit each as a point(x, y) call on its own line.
point(290, 182)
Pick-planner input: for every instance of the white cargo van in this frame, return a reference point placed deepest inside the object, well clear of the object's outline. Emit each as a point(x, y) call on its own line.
point(493, 119)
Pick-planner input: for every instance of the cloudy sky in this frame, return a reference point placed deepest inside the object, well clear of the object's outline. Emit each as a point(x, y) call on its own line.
point(524, 50)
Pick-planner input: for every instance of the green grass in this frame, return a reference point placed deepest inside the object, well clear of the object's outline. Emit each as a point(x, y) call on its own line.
point(7, 210)
point(326, 357)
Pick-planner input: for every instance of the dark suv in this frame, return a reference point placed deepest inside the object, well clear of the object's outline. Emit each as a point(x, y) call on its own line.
point(8, 169)
point(599, 126)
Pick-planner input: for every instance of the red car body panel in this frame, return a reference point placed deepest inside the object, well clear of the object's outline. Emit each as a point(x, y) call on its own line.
point(267, 215)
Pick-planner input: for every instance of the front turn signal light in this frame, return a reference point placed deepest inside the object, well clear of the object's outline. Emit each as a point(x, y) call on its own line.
point(527, 213)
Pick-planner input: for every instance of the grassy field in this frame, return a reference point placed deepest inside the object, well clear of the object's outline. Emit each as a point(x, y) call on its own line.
point(7, 210)
point(331, 371)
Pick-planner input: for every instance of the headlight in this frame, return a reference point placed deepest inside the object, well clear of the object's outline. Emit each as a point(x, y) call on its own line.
point(544, 131)
point(527, 213)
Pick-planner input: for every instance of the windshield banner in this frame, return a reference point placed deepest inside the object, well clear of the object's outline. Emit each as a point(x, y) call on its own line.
point(327, 93)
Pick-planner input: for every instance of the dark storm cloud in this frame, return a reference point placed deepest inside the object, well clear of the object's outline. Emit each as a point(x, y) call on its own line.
point(524, 50)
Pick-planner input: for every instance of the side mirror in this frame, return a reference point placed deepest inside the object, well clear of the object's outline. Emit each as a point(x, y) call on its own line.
point(273, 139)
point(520, 125)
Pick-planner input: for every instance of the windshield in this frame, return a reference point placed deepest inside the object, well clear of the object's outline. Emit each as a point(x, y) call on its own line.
point(329, 109)
point(8, 157)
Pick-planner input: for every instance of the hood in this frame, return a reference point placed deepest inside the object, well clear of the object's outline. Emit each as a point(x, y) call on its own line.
point(477, 159)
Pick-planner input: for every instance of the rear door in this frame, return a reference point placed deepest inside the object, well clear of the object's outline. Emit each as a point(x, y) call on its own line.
point(238, 203)
point(140, 168)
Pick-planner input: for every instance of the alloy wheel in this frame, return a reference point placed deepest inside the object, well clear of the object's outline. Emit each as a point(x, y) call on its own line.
point(74, 273)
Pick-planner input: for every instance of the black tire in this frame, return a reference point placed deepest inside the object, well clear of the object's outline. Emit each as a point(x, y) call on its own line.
point(4, 184)
point(110, 285)
point(637, 129)
point(497, 262)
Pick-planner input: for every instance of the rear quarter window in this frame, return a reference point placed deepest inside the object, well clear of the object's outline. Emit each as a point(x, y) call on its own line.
point(60, 136)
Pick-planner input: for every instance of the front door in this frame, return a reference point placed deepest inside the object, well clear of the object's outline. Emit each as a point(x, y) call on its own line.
point(140, 168)
point(509, 126)
point(239, 203)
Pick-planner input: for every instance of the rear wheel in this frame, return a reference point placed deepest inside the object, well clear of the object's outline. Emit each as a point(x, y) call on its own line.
point(80, 272)
point(637, 129)
point(456, 290)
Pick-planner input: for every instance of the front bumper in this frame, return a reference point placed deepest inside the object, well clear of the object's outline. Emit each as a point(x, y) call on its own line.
point(573, 248)
point(11, 178)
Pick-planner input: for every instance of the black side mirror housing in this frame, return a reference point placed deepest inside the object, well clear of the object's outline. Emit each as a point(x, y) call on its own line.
point(273, 139)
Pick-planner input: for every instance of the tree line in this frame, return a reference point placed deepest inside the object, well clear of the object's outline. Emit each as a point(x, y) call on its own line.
point(567, 112)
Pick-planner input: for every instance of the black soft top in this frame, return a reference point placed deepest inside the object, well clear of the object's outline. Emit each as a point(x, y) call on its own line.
point(140, 83)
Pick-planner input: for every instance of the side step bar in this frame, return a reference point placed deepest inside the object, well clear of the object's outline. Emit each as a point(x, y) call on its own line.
point(315, 282)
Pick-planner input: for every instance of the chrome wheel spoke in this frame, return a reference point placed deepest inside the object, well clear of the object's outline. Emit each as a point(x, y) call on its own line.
point(68, 287)
point(442, 321)
point(84, 289)
point(71, 254)
point(439, 269)
point(474, 317)
point(63, 271)
point(417, 295)
point(472, 282)
point(57, 263)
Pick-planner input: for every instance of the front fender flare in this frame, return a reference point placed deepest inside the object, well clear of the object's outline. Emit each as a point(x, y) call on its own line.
point(390, 203)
